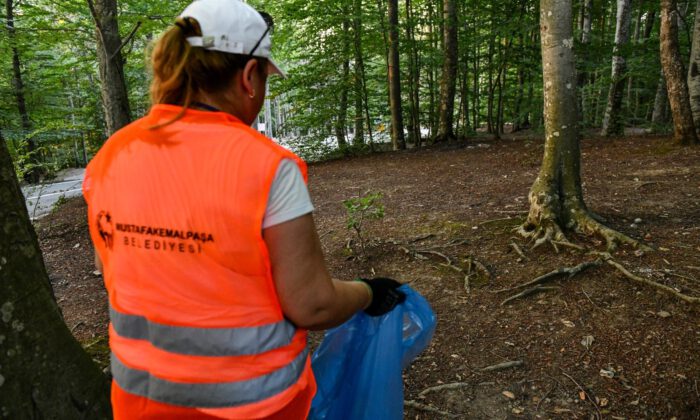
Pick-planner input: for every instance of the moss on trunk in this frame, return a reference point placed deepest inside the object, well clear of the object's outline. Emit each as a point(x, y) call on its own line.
point(556, 198)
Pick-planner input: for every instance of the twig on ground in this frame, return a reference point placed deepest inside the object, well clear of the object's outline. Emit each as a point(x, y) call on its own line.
point(623, 270)
point(423, 407)
point(502, 366)
point(544, 397)
point(569, 272)
point(518, 251)
point(422, 237)
point(76, 326)
point(528, 292)
point(670, 273)
point(439, 254)
point(454, 385)
point(692, 267)
point(569, 245)
point(593, 303)
point(467, 283)
point(586, 393)
point(645, 184)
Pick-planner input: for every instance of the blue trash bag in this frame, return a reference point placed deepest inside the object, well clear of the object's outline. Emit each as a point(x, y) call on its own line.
point(358, 364)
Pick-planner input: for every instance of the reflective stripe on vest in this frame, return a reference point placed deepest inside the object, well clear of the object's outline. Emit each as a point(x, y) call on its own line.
point(208, 395)
point(193, 341)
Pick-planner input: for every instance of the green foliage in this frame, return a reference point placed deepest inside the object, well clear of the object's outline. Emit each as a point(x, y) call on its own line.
point(57, 205)
point(315, 42)
point(366, 207)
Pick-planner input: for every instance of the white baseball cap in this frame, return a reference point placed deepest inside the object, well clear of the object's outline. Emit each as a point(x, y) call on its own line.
point(232, 26)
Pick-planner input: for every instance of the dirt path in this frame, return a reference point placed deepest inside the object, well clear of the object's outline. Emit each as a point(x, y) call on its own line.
point(596, 345)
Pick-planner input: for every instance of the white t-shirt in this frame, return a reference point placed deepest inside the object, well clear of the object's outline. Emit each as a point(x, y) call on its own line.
point(289, 197)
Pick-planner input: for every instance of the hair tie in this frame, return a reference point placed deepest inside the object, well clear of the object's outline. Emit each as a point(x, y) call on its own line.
point(181, 25)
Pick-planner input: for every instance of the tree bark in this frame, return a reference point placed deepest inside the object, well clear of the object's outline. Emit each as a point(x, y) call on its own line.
point(658, 115)
point(612, 121)
point(44, 373)
point(358, 72)
point(556, 197)
point(341, 122)
point(115, 98)
point(33, 173)
point(676, 85)
point(448, 83)
point(397, 137)
point(414, 132)
point(694, 71)
point(585, 41)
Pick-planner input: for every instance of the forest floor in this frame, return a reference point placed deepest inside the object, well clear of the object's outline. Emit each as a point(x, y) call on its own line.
point(596, 345)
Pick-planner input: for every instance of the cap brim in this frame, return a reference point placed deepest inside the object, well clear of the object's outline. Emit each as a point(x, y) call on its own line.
point(273, 68)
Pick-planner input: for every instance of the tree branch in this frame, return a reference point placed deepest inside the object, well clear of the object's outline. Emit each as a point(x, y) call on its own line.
point(126, 40)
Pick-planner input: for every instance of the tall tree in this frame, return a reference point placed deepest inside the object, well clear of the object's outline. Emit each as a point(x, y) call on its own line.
point(694, 71)
point(115, 98)
point(612, 121)
point(341, 121)
point(448, 83)
point(32, 173)
point(44, 372)
point(414, 133)
point(676, 85)
point(358, 75)
point(586, 25)
point(556, 197)
point(397, 137)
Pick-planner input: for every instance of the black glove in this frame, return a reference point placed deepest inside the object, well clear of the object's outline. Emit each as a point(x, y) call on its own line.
point(385, 295)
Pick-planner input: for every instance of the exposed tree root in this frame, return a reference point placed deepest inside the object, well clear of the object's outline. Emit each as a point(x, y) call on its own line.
point(569, 272)
point(527, 292)
point(543, 226)
point(502, 366)
point(454, 385)
point(518, 251)
point(547, 231)
point(671, 290)
point(588, 225)
point(424, 407)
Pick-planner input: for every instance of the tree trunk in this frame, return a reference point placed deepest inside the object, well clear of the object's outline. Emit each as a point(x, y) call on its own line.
point(658, 115)
point(612, 121)
point(45, 373)
point(33, 173)
point(115, 98)
point(448, 83)
point(414, 133)
point(341, 122)
point(397, 137)
point(585, 41)
point(358, 72)
point(432, 123)
point(491, 85)
point(476, 105)
point(694, 71)
point(676, 85)
point(556, 197)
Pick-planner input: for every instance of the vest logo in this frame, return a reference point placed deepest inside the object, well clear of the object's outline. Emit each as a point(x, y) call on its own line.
point(106, 228)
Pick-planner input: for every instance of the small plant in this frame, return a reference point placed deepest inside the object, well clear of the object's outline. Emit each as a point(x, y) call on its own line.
point(367, 206)
point(57, 205)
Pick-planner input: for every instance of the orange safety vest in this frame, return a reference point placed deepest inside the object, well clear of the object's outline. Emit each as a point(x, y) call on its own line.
point(196, 327)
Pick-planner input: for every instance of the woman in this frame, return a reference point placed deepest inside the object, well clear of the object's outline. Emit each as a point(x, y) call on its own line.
point(203, 230)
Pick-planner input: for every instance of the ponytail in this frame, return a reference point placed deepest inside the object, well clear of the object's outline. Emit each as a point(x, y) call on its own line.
point(181, 71)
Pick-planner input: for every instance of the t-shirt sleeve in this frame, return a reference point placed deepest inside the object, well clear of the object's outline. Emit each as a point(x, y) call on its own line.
point(289, 197)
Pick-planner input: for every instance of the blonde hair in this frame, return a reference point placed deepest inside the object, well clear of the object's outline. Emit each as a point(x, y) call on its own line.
point(180, 71)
